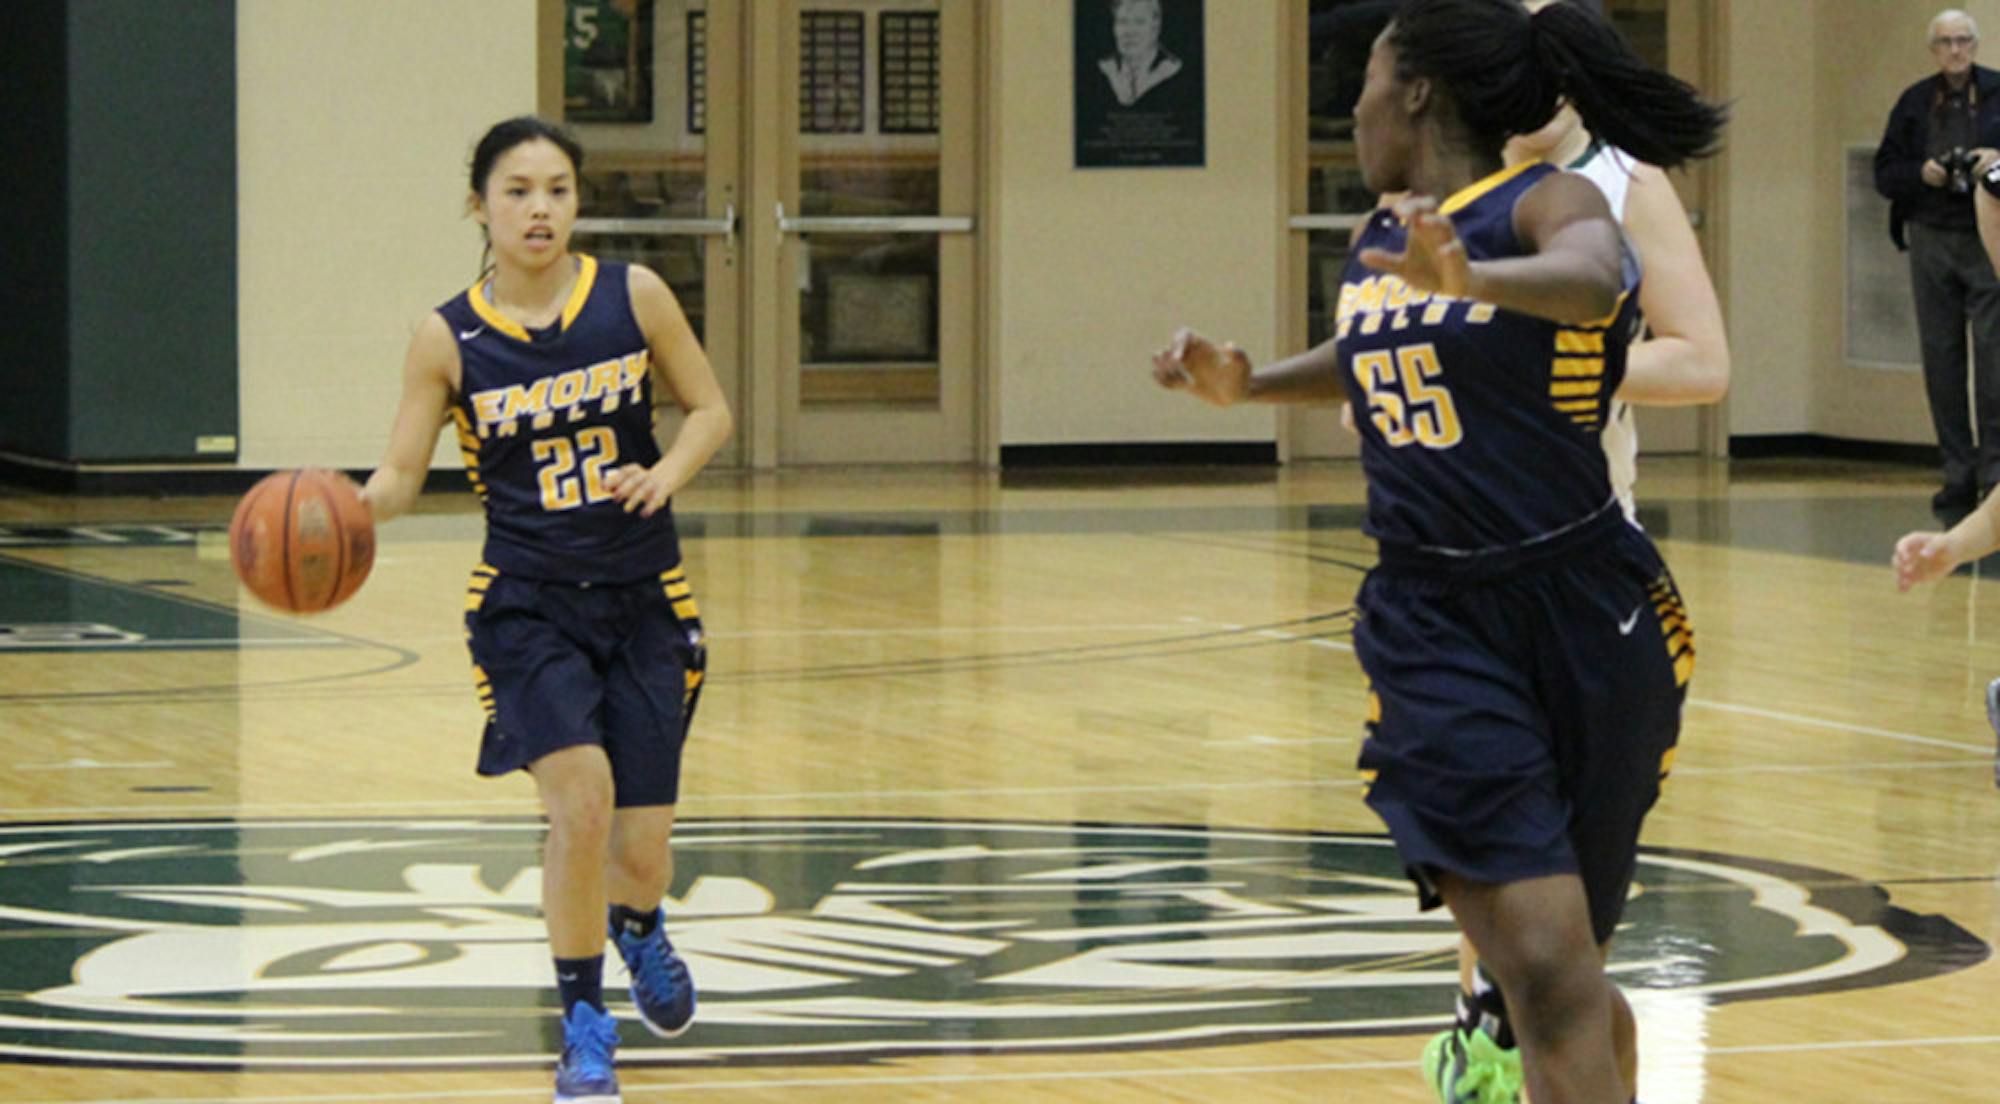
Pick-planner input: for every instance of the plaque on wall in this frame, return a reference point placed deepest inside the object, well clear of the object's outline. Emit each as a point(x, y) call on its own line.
point(1139, 92)
point(608, 61)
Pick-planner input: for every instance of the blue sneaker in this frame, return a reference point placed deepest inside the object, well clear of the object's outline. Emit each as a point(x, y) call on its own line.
point(662, 990)
point(584, 1074)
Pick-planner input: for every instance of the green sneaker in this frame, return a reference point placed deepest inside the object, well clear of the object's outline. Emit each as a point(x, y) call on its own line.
point(1468, 1067)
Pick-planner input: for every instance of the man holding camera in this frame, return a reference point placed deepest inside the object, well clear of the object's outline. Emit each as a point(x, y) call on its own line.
point(1943, 132)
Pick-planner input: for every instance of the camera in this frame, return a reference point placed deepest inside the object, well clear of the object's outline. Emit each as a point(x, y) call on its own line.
point(1958, 163)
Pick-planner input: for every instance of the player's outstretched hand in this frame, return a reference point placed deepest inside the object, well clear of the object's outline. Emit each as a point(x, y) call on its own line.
point(642, 489)
point(1921, 557)
point(1433, 258)
point(1195, 364)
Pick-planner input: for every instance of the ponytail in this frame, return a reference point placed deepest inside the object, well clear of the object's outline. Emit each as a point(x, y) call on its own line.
point(1654, 116)
point(1507, 72)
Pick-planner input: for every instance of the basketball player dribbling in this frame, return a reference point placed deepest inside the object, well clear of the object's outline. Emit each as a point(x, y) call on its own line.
point(586, 644)
point(1527, 651)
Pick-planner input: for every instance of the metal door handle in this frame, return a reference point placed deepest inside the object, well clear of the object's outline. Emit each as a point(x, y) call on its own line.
point(1328, 222)
point(663, 227)
point(914, 224)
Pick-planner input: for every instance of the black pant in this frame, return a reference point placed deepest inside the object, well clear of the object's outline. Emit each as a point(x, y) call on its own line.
point(1955, 286)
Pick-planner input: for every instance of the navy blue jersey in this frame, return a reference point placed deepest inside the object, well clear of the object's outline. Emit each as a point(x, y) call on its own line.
point(1479, 426)
point(543, 418)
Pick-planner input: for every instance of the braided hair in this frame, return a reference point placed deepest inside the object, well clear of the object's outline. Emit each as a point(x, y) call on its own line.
point(1508, 71)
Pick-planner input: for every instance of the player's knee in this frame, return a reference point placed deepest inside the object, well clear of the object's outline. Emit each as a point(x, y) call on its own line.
point(579, 811)
point(640, 865)
point(1537, 970)
point(1546, 996)
point(581, 827)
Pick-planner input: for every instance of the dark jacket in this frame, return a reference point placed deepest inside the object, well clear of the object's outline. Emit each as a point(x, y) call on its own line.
point(1899, 160)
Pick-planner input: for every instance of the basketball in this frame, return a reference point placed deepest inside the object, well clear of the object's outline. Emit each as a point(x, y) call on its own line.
point(303, 540)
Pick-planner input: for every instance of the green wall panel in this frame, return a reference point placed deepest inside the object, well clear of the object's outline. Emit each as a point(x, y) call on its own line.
point(34, 269)
point(152, 228)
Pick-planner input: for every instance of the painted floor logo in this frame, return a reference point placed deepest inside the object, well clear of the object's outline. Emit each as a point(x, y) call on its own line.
point(357, 943)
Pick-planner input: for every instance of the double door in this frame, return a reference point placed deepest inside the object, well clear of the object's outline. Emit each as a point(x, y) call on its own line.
point(804, 179)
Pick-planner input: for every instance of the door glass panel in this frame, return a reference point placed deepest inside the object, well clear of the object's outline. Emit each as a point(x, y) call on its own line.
point(1644, 25)
point(869, 118)
point(635, 91)
point(1341, 32)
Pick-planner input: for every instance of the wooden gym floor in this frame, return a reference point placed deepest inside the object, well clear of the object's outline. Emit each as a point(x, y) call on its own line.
point(1024, 788)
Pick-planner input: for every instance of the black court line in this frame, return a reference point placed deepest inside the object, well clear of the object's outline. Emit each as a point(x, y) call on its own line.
point(1851, 529)
point(1273, 634)
point(401, 657)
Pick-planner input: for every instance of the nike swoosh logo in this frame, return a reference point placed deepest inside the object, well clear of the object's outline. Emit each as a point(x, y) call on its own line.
point(468, 335)
point(565, 977)
point(1625, 627)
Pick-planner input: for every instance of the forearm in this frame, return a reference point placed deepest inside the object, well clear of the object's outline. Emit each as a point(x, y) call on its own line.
point(1559, 288)
point(391, 491)
point(1979, 534)
point(702, 433)
point(1311, 376)
point(1986, 214)
point(1673, 371)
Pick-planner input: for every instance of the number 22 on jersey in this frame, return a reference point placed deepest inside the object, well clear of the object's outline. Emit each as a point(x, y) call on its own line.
point(567, 483)
point(1406, 402)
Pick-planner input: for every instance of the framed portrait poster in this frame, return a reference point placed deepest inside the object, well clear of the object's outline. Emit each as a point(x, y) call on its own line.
point(1139, 84)
point(608, 61)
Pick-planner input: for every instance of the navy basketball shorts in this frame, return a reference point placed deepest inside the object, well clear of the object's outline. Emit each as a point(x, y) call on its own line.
point(1520, 725)
point(559, 665)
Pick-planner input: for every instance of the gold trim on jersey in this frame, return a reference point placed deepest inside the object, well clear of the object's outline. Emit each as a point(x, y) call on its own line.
point(1674, 626)
point(483, 687)
point(468, 449)
point(586, 278)
point(674, 582)
point(1576, 371)
point(490, 314)
point(1466, 196)
point(680, 595)
point(475, 587)
point(1606, 321)
point(1370, 720)
point(475, 596)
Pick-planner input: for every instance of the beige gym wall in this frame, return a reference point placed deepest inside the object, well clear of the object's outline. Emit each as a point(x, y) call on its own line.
point(355, 120)
point(1806, 79)
point(1865, 57)
point(1094, 267)
point(355, 123)
point(1772, 187)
